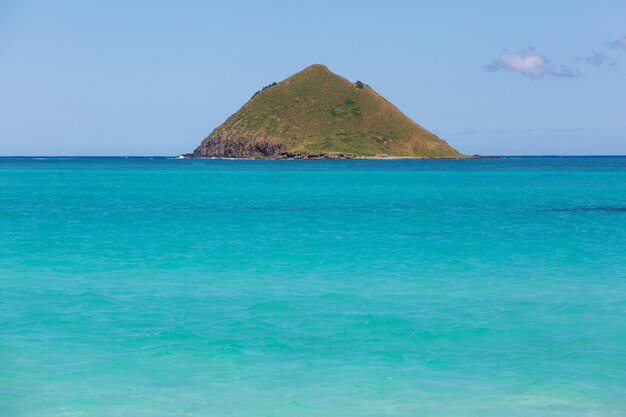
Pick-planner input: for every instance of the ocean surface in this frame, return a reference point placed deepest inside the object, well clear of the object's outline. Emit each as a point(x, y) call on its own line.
point(239, 288)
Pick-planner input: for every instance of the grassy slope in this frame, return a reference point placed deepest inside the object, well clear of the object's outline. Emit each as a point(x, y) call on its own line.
point(316, 111)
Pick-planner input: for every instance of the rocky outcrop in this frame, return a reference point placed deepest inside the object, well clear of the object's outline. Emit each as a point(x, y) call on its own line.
point(241, 148)
point(299, 155)
point(223, 146)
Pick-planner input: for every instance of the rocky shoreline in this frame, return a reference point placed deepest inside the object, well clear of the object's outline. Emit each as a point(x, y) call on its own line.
point(281, 155)
point(333, 156)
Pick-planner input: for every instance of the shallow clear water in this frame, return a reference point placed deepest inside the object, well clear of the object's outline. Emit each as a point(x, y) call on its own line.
point(160, 287)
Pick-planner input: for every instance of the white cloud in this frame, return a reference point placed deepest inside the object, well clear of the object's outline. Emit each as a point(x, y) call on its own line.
point(526, 63)
point(530, 64)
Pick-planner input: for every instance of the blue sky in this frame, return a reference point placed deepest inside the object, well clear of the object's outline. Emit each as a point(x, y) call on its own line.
point(154, 78)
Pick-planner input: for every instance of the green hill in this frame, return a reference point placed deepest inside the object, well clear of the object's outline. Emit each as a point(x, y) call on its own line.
point(318, 114)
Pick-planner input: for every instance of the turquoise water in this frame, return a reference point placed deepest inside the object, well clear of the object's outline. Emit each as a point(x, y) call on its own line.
point(159, 287)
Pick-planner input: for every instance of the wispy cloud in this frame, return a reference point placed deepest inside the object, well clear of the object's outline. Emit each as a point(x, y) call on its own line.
point(600, 59)
point(619, 43)
point(566, 72)
point(531, 64)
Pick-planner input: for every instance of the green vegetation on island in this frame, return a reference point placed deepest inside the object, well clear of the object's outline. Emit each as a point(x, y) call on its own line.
point(318, 114)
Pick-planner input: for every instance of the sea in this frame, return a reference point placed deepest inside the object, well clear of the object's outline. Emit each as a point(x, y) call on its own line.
point(161, 287)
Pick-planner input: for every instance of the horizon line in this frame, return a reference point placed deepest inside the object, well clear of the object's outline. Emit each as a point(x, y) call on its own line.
point(176, 156)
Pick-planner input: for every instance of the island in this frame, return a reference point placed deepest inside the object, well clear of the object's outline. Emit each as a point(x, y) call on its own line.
point(317, 114)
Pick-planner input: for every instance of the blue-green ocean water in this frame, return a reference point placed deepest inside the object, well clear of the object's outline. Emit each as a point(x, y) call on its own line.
point(160, 287)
